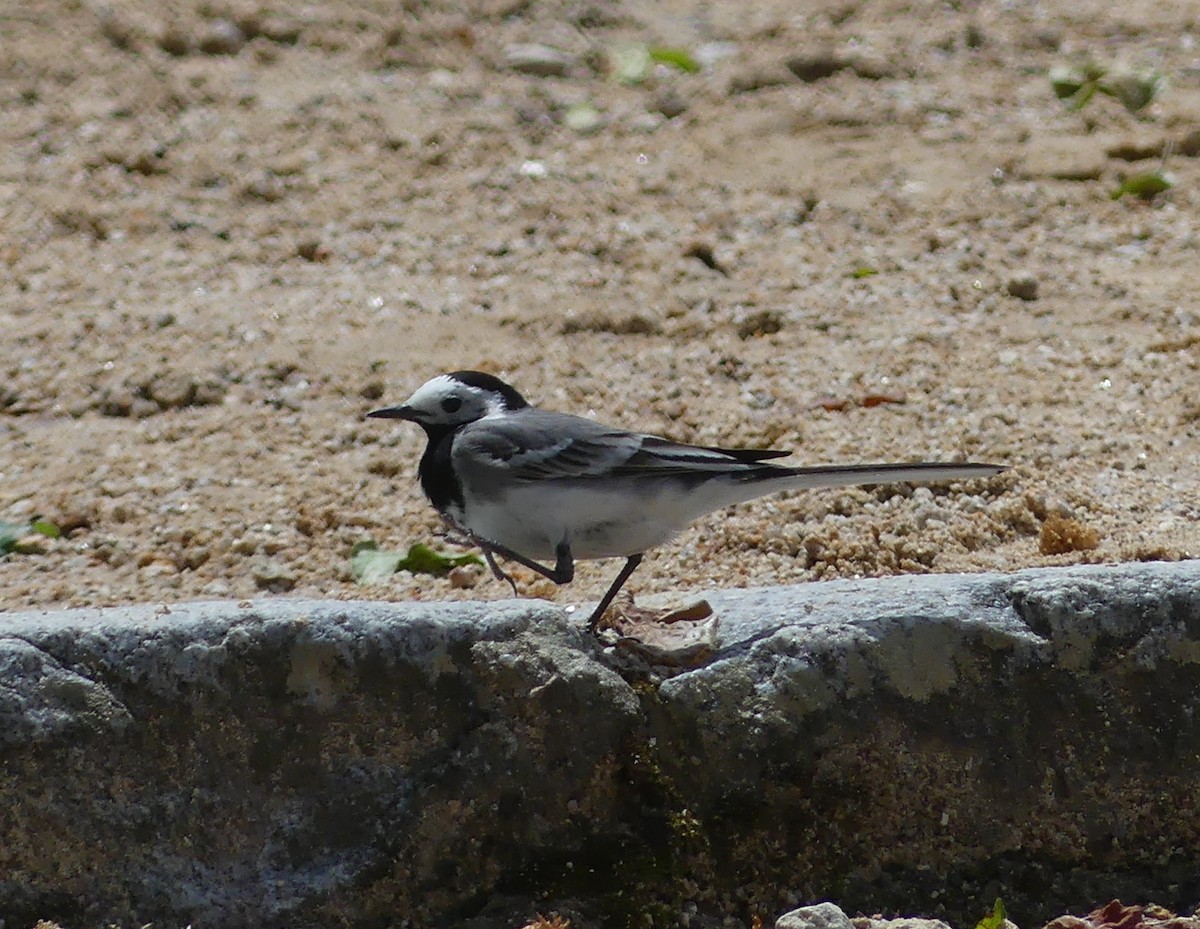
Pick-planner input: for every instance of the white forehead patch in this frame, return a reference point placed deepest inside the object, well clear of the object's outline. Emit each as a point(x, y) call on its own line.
point(430, 394)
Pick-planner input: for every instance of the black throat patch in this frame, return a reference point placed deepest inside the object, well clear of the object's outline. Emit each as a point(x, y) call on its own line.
point(436, 471)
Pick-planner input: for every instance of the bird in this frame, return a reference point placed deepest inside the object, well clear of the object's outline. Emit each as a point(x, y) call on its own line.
point(532, 485)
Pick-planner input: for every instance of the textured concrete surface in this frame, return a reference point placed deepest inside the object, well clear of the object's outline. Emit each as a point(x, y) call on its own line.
point(919, 744)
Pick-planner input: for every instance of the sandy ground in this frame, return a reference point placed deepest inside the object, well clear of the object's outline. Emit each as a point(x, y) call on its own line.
point(231, 230)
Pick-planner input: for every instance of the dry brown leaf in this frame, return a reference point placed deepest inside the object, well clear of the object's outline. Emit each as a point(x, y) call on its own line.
point(681, 637)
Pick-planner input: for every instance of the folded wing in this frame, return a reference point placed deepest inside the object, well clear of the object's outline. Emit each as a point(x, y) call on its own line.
point(548, 446)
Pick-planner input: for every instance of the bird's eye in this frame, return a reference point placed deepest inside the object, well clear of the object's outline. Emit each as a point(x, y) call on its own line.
point(451, 404)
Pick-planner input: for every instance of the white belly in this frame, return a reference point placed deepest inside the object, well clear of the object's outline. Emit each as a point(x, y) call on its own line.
point(535, 519)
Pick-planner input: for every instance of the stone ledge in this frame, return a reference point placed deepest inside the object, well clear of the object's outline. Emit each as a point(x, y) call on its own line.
point(916, 743)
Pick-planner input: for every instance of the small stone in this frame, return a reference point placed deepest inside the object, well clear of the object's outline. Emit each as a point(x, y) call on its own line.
point(759, 79)
point(33, 544)
point(222, 37)
point(1065, 160)
point(174, 41)
point(1135, 149)
point(1023, 286)
point(815, 66)
point(148, 160)
point(385, 465)
point(267, 187)
point(819, 916)
point(645, 123)
point(172, 391)
point(463, 578)
point(583, 118)
point(142, 408)
point(209, 392)
point(250, 22)
point(117, 29)
point(710, 54)
point(115, 401)
point(274, 577)
point(703, 252)
point(764, 322)
point(245, 545)
point(538, 60)
point(1189, 145)
point(670, 104)
point(313, 250)
point(617, 323)
point(872, 67)
point(158, 567)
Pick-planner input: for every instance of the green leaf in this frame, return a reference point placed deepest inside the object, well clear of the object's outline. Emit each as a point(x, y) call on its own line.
point(1145, 185)
point(45, 527)
point(371, 565)
point(859, 273)
point(679, 58)
point(1083, 97)
point(421, 559)
point(995, 919)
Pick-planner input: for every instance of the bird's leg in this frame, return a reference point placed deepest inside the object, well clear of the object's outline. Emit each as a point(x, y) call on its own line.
point(455, 534)
point(497, 572)
point(631, 564)
point(563, 571)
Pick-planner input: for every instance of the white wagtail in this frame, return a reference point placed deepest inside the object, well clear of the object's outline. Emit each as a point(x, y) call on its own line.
point(526, 483)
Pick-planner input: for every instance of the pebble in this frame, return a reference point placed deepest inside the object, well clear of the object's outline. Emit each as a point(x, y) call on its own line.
point(758, 79)
point(1065, 161)
point(871, 67)
point(583, 118)
point(815, 66)
point(172, 390)
point(222, 37)
point(1023, 286)
point(149, 159)
point(760, 323)
point(174, 41)
point(267, 187)
point(33, 544)
point(177, 390)
point(117, 29)
point(462, 577)
point(314, 250)
point(1135, 149)
point(1189, 145)
point(538, 60)
point(670, 104)
point(274, 576)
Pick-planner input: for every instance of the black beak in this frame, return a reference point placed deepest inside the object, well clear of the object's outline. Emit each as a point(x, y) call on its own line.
point(395, 412)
